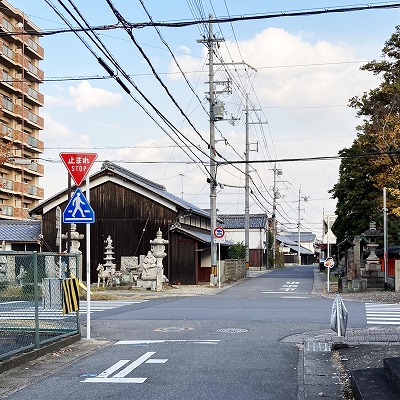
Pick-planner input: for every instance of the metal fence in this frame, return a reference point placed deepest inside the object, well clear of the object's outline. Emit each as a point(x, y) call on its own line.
point(31, 300)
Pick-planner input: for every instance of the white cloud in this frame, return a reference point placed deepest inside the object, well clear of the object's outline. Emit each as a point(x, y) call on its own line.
point(54, 131)
point(84, 97)
point(55, 100)
point(292, 71)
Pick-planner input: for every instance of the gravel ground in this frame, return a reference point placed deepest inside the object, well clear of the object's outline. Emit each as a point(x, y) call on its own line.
point(375, 296)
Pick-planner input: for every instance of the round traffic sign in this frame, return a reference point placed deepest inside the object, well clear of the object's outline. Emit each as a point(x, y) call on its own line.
point(219, 232)
point(329, 263)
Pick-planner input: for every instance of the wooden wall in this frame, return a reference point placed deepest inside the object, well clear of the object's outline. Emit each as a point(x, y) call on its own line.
point(131, 219)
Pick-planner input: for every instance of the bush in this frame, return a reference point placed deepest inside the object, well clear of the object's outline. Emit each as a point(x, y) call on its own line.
point(28, 289)
point(3, 285)
point(237, 251)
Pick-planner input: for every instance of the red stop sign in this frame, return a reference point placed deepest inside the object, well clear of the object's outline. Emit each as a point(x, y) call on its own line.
point(78, 164)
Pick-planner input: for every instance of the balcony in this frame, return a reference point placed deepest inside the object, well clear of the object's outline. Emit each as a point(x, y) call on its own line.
point(32, 48)
point(31, 119)
point(30, 95)
point(23, 139)
point(25, 189)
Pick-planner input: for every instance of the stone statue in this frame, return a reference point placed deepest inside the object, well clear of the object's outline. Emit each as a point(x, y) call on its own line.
point(149, 267)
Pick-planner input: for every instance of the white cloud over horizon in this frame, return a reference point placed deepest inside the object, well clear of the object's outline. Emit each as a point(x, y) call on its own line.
point(85, 97)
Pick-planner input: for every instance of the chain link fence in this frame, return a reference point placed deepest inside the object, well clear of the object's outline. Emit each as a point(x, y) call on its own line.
point(31, 300)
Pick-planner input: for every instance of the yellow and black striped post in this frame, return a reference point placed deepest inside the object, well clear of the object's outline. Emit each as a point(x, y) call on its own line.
point(70, 295)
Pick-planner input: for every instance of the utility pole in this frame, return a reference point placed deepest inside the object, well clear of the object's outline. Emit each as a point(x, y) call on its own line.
point(385, 245)
point(305, 198)
point(247, 193)
point(275, 197)
point(209, 42)
point(298, 232)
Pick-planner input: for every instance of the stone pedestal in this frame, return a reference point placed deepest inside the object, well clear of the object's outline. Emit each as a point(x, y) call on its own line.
point(397, 275)
point(359, 285)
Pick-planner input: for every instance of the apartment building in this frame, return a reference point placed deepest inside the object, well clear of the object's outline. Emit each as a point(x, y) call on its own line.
point(20, 123)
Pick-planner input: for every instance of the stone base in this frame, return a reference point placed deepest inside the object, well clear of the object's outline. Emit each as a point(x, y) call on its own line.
point(375, 266)
point(147, 284)
point(358, 285)
point(375, 279)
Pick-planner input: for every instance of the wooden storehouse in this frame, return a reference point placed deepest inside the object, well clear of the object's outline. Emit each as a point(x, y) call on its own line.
point(131, 209)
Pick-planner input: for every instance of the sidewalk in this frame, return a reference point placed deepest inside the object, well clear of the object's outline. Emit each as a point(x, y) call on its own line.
point(324, 369)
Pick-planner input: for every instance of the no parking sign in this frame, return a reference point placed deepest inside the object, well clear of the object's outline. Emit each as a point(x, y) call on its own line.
point(219, 235)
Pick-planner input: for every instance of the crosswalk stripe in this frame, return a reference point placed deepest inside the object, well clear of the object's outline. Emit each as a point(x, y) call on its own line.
point(382, 314)
point(28, 313)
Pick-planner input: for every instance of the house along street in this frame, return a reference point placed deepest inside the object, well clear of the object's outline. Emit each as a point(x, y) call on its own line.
point(241, 343)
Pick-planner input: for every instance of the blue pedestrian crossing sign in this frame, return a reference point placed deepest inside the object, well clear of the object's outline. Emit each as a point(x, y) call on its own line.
point(78, 210)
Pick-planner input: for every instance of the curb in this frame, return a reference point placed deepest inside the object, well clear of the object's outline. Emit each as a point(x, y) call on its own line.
point(30, 355)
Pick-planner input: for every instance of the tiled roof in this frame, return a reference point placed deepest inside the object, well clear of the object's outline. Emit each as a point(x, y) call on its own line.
point(201, 235)
point(292, 244)
point(20, 231)
point(305, 237)
point(236, 221)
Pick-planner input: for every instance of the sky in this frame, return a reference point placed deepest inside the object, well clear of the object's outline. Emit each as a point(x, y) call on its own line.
point(298, 72)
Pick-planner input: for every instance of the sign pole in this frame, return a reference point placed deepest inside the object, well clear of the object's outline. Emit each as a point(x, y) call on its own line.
point(88, 265)
point(219, 264)
point(328, 278)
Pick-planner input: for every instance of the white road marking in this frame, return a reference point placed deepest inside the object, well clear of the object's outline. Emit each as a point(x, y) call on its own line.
point(382, 314)
point(120, 377)
point(139, 342)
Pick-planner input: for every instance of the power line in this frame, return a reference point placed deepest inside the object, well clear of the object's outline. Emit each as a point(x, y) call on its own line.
point(105, 51)
point(230, 19)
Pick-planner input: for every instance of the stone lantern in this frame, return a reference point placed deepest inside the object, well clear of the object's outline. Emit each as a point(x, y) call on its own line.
point(372, 272)
point(372, 263)
point(158, 250)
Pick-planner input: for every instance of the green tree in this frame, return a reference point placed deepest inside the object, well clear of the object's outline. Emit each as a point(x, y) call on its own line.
point(237, 251)
point(373, 160)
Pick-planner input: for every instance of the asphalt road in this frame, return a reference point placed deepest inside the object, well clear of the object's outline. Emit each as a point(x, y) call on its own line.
point(234, 345)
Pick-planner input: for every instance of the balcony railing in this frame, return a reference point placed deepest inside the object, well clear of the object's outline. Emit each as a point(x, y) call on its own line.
point(8, 104)
point(7, 210)
point(7, 52)
point(7, 131)
point(7, 184)
point(7, 25)
point(7, 78)
point(32, 190)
